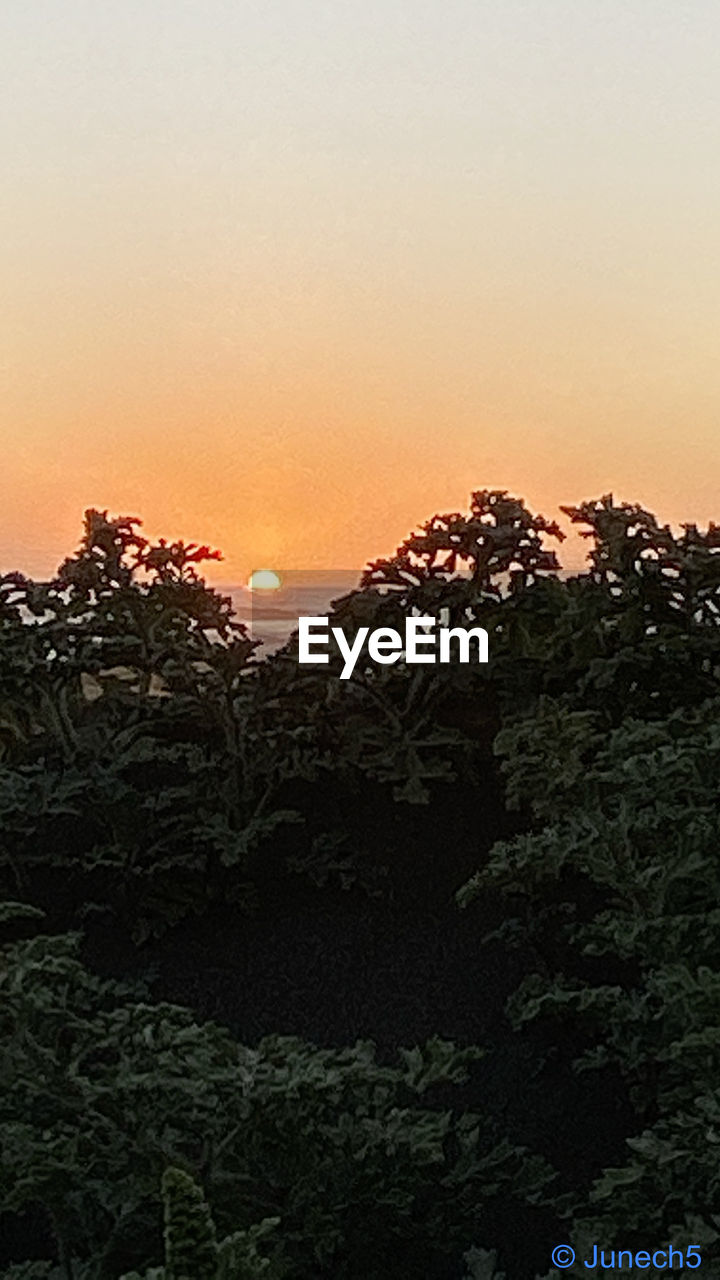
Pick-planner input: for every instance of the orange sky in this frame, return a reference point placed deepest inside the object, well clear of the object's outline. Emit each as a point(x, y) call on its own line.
point(290, 277)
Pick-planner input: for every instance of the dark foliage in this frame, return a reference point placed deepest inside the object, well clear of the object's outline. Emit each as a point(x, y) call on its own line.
point(280, 852)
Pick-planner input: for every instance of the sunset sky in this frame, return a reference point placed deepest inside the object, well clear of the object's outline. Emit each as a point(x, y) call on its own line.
point(289, 276)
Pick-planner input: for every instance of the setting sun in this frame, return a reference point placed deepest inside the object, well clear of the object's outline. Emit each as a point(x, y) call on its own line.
point(264, 580)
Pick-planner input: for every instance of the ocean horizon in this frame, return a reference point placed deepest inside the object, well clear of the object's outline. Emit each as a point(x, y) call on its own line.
point(271, 616)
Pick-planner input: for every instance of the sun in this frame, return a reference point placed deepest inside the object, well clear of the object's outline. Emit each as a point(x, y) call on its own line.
point(264, 580)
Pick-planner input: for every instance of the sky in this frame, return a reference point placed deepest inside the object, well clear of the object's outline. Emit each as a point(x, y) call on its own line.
point(288, 276)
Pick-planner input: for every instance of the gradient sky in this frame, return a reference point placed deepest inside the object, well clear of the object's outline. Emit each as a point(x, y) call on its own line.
point(289, 276)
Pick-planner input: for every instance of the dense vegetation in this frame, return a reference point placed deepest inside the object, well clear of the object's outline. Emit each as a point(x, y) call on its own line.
point(408, 975)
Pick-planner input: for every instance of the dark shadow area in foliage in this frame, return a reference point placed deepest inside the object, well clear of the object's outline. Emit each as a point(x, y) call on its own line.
point(334, 967)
